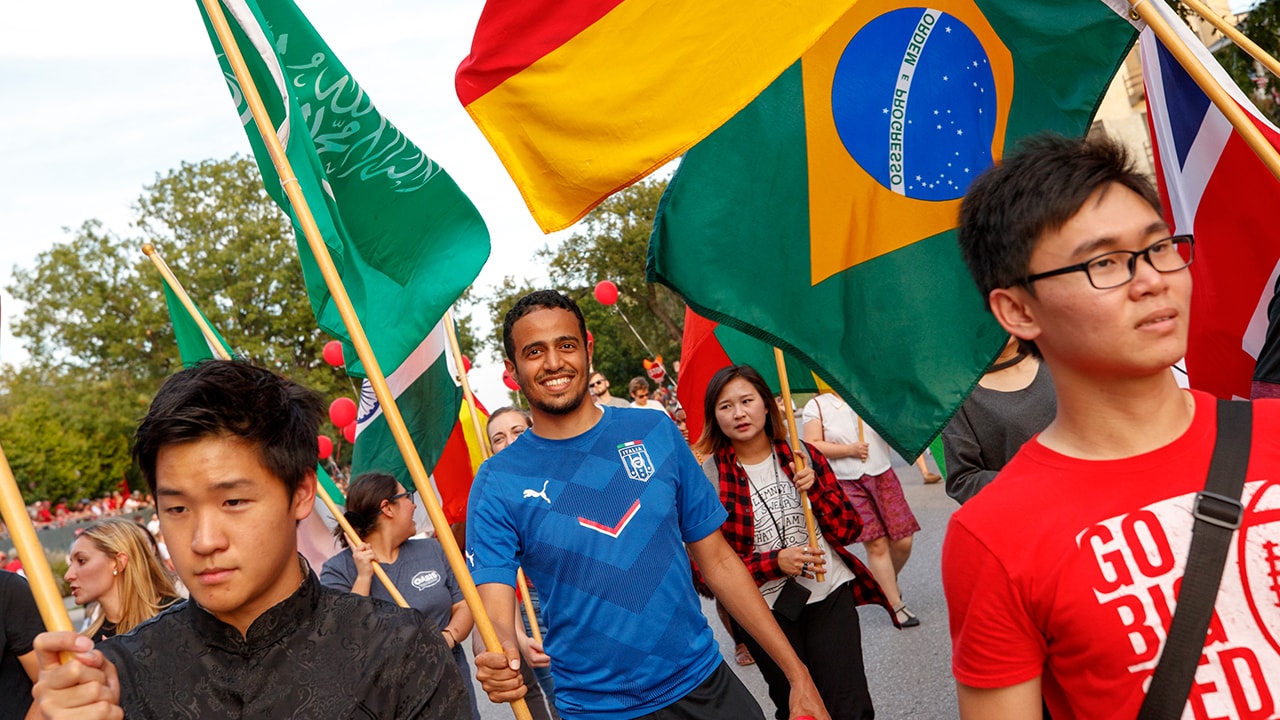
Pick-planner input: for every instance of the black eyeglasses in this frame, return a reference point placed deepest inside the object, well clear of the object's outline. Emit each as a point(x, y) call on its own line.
point(600, 381)
point(1113, 269)
point(397, 496)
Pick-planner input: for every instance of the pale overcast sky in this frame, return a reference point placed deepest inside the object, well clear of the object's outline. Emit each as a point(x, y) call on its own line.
point(103, 96)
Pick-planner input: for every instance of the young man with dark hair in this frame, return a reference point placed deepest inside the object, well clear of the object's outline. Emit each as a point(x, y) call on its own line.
point(229, 452)
point(1061, 575)
point(598, 505)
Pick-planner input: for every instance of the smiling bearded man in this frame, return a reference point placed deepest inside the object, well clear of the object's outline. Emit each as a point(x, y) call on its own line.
point(597, 504)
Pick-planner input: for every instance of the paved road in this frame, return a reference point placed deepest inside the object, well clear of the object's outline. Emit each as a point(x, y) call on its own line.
point(909, 671)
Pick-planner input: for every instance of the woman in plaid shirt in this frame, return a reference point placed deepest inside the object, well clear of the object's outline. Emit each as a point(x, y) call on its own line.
point(759, 486)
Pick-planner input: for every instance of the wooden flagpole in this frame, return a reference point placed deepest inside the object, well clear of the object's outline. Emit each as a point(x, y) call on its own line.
point(456, 349)
point(34, 562)
point(31, 553)
point(338, 292)
point(1235, 36)
point(1236, 115)
point(787, 406)
point(211, 338)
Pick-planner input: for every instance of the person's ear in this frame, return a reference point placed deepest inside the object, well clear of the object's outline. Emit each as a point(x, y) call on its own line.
point(511, 370)
point(1015, 309)
point(122, 561)
point(304, 497)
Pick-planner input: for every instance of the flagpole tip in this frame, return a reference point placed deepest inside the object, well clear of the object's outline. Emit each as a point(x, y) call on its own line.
point(148, 249)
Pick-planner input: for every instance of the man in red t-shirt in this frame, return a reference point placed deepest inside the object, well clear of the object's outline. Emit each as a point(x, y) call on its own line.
point(1061, 575)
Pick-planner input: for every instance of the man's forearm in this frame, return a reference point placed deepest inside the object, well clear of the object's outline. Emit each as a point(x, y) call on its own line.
point(732, 584)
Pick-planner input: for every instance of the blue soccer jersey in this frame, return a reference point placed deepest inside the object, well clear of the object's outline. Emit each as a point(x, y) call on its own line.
point(598, 522)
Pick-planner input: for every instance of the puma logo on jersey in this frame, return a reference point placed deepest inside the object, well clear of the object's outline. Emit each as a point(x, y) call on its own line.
point(531, 493)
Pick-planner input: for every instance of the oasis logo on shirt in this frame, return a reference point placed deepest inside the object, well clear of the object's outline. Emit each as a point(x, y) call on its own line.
point(426, 579)
point(635, 458)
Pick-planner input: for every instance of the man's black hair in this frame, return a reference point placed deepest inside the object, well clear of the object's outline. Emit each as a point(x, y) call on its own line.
point(538, 300)
point(232, 398)
point(1035, 190)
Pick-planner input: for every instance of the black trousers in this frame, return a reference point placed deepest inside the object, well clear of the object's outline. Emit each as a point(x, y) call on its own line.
point(722, 696)
point(828, 639)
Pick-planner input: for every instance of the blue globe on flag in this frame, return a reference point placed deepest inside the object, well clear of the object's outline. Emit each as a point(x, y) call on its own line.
point(914, 102)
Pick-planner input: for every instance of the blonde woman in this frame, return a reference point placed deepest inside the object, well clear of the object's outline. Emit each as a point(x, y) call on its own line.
point(113, 562)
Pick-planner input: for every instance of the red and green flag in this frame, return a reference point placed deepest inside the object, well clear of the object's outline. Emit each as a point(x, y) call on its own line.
point(821, 218)
point(581, 98)
point(708, 346)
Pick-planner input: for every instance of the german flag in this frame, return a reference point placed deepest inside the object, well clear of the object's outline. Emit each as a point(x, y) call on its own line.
point(581, 98)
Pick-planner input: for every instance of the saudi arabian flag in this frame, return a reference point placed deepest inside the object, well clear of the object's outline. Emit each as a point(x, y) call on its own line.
point(404, 237)
point(821, 218)
point(428, 398)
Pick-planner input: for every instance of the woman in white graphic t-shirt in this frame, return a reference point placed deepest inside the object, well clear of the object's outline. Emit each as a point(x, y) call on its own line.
point(761, 489)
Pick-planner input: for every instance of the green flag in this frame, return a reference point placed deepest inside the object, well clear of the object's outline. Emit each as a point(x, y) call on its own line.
point(821, 218)
point(404, 237)
point(194, 349)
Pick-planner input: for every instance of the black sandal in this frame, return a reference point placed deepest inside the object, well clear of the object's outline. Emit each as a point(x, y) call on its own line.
point(902, 611)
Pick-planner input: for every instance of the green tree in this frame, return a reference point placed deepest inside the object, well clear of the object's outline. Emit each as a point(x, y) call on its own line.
point(96, 322)
point(95, 301)
point(1261, 25)
point(66, 435)
point(613, 245)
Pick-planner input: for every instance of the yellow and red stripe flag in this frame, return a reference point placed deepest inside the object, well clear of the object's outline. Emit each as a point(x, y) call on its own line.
point(581, 98)
point(459, 462)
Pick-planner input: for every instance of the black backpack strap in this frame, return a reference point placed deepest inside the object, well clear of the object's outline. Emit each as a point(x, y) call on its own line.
point(1217, 512)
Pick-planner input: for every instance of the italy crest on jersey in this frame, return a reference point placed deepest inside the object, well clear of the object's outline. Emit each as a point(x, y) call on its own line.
point(635, 458)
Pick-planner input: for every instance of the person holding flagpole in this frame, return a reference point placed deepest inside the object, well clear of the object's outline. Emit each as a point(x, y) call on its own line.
point(229, 452)
point(603, 508)
point(860, 459)
point(381, 511)
point(760, 482)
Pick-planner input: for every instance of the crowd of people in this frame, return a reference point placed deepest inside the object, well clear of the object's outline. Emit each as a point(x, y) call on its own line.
point(50, 514)
point(1078, 460)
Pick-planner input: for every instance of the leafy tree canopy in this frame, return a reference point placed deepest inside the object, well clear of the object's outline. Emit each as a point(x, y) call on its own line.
point(99, 334)
point(612, 246)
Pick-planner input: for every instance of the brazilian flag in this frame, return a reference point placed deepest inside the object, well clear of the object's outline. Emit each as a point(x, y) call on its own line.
point(821, 218)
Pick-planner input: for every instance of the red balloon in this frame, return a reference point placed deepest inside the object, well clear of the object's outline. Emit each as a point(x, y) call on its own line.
point(333, 353)
point(326, 447)
point(606, 292)
point(342, 412)
point(466, 364)
point(509, 381)
point(349, 432)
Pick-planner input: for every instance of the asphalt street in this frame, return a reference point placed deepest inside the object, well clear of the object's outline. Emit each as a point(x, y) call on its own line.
point(909, 671)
